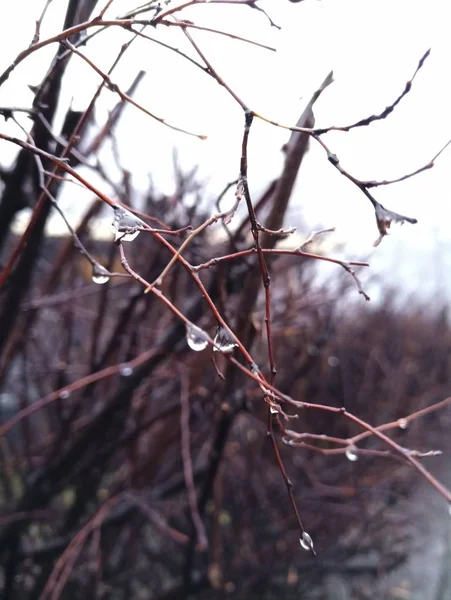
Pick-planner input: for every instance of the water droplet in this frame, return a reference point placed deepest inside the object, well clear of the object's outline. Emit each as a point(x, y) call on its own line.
point(100, 279)
point(100, 274)
point(333, 361)
point(273, 410)
point(126, 237)
point(402, 424)
point(351, 453)
point(196, 337)
point(224, 340)
point(64, 394)
point(254, 368)
point(126, 371)
point(306, 542)
point(126, 226)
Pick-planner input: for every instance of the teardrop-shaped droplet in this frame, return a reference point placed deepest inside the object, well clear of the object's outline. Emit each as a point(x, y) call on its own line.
point(402, 424)
point(254, 368)
point(351, 453)
point(126, 371)
point(100, 279)
point(306, 542)
point(126, 237)
point(223, 341)
point(126, 226)
point(100, 274)
point(64, 394)
point(196, 337)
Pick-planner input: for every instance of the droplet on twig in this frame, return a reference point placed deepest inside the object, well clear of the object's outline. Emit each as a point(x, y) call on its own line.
point(254, 368)
point(64, 394)
point(126, 371)
point(273, 410)
point(196, 337)
point(126, 226)
point(224, 340)
point(402, 424)
point(351, 453)
point(306, 542)
point(100, 274)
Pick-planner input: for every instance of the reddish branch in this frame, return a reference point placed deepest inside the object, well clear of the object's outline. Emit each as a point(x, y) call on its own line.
point(84, 438)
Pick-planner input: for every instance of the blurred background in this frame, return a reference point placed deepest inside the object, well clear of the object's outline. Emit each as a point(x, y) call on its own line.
point(128, 467)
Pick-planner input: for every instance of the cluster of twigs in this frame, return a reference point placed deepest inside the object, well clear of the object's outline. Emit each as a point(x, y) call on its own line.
point(114, 416)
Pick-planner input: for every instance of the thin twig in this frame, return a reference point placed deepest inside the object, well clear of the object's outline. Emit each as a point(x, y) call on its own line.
point(202, 541)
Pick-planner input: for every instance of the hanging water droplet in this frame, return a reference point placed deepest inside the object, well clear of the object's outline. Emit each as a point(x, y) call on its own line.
point(126, 226)
point(223, 340)
point(127, 237)
point(351, 453)
point(64, 394)
point(196, 337)
point(306, 542)
point(402, 424)
point(273, 410)
point(254, 368)
point(100, 279)
point(126, 371)
point(100, 274)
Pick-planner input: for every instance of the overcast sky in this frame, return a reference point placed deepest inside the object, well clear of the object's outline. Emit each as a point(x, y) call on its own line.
point(373, 47)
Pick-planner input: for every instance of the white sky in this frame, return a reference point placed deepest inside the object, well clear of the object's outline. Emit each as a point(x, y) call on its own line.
point(373, 47)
